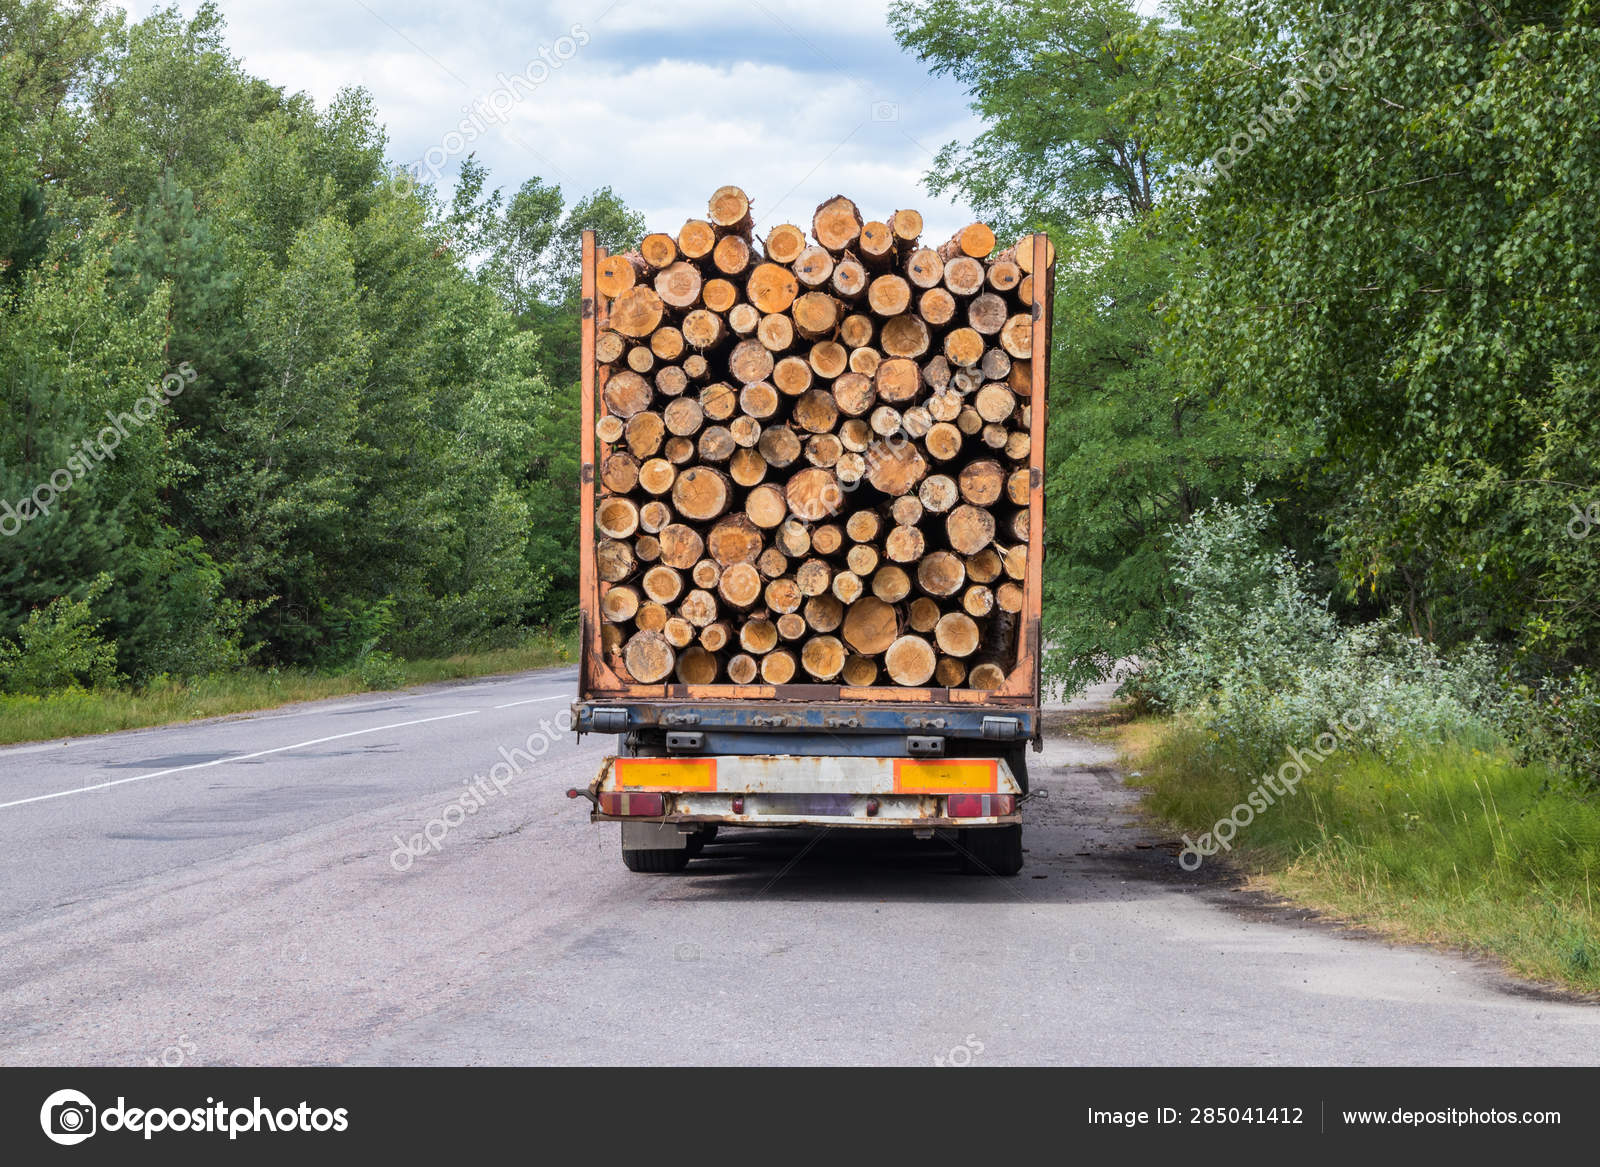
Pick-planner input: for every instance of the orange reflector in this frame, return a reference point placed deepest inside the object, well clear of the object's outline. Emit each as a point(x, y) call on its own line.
point(667, 773)
point(956, 776)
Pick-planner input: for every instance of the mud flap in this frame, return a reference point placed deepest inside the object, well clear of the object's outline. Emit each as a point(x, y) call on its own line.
point(653, 836)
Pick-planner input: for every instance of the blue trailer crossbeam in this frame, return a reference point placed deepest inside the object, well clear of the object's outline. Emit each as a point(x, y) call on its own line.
point(1011, 724)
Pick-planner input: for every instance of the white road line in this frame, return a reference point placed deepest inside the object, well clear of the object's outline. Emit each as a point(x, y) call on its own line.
point(236, 758)
point(535, 701)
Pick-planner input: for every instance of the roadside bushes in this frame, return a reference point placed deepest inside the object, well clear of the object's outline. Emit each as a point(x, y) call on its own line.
point(1559, 723)
point(1260, 664)
point(59, 648)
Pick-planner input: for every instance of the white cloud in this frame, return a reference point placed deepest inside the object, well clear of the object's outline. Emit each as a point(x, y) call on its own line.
point(664, 104)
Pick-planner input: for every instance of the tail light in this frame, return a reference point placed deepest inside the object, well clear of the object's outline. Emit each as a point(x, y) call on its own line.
point(628, 804)
point(979, 806)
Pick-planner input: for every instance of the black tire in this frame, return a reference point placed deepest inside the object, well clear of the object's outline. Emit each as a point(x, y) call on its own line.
point(662, 862)
point(991, 850)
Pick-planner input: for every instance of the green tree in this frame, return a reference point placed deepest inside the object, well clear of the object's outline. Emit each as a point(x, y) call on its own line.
point(1056, 86)
point(278, 477)
point(170, 99)
point(533, 249)
point(1398, 204)
point(365, 453)
point(80, 476)
point(552, 494)
point(1072, 97)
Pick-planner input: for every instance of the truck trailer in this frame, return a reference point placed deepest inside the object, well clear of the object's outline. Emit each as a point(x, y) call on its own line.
point(709, 746)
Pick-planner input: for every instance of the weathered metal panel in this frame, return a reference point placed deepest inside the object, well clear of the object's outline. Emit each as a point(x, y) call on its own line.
point(791, 807)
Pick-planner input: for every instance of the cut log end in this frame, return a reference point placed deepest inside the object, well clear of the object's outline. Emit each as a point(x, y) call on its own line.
point(836, 224)
point(778, 667)
point(910, 661)
point(649, 657)
point(823, 657)
point(784, 243)
point(871, 625)
point(729, 208)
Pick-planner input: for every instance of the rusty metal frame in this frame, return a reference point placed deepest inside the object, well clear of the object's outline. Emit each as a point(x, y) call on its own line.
point(598, 681)
point(588, 610)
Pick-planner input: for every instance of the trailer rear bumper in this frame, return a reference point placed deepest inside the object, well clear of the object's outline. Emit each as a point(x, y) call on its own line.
point(796, 790)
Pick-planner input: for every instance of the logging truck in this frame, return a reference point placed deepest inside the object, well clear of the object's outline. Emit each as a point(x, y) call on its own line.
point(811, 526)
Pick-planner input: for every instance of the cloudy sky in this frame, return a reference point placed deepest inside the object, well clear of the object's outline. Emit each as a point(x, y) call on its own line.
point(793, 100)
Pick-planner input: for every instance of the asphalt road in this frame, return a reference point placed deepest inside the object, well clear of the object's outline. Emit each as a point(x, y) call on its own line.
point(241, 891)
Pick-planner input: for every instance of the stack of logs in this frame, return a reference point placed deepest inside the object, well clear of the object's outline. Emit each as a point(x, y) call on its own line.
point(814, 453)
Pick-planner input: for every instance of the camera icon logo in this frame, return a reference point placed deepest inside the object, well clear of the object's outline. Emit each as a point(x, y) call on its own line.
point(68, 1117)
point(885, 111)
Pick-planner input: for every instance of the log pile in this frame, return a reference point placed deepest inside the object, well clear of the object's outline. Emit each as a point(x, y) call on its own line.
point(813, 452)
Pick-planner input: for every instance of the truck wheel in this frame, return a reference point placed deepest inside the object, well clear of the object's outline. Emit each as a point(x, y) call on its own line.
point(992, 850)
point(653, 862)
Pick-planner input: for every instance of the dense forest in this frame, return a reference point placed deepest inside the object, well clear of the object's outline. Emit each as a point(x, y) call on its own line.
point(265, 399)
point(1325, 308)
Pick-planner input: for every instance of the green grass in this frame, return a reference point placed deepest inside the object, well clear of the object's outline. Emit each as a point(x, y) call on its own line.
point(24, 719)
point(1453, 845)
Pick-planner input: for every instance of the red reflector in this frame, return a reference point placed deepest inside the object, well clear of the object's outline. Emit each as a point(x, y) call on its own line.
point(979, 806)
point(633, 805)
point(964, 806)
